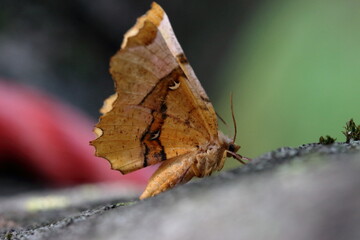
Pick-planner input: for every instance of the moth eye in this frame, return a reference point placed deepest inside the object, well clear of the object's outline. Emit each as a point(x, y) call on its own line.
point(231, 148)
point(175, 86)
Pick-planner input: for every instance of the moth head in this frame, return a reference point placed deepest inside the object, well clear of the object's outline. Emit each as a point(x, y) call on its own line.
point(228, 143)
point(231, 150)
point(232, 147)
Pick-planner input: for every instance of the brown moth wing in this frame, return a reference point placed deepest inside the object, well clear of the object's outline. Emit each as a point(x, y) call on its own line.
point(159, 111)
point(201, 98)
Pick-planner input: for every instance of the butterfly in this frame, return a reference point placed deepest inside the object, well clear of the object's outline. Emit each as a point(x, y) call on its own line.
point(160, 113)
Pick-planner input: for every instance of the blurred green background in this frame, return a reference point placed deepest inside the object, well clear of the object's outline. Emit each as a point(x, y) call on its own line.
point(293, 66)
point(294, 71)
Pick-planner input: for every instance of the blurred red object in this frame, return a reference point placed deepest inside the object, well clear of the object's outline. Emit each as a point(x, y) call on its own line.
point(52, 140)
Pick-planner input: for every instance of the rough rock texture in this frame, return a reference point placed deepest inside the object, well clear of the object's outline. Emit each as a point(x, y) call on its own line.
point(310, 192)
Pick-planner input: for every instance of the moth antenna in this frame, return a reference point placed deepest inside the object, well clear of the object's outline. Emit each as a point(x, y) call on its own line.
point(233, 116)
point(221, 119)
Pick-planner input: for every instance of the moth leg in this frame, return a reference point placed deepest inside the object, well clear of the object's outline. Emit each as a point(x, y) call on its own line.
point(195, 170)
point(187, 176)
point(170, 173)
point(221, 164)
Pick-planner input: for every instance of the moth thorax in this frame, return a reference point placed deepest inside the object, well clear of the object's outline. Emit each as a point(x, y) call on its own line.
point(213, 149)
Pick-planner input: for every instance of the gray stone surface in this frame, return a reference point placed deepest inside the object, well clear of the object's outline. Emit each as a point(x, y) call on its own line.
point(310, 192)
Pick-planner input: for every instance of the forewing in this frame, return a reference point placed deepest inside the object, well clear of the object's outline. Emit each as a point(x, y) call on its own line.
point(160, 110)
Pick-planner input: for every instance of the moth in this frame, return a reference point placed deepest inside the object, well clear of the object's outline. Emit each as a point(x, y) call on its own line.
point(160, 113)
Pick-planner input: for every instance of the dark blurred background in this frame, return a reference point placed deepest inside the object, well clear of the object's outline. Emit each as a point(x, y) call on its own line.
point(293, 66)
point(63, 47)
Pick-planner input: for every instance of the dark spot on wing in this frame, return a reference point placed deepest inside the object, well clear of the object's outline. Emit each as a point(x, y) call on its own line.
point(181, 58)
point(205, 99)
